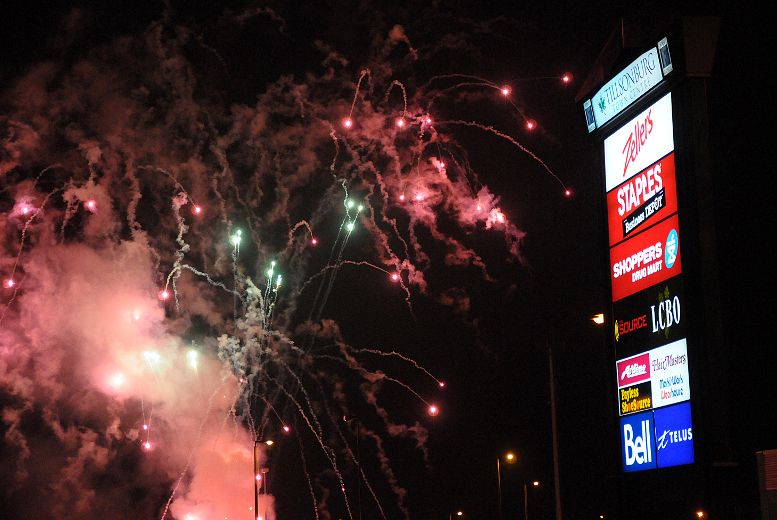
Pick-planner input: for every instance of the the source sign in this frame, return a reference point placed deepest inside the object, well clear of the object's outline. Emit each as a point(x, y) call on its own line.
point(629, 85)
point(639, 143)
point(650, 318)
point(645, 198)
point(646, 259)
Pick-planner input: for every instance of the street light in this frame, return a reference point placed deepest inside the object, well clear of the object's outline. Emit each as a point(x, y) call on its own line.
point(509, 458)
point(260, 474)
point(534, 483)
point(458, 514)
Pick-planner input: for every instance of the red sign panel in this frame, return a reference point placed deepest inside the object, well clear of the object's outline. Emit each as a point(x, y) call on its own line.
point(634, 370)
point(642, 200)
point(645, 259)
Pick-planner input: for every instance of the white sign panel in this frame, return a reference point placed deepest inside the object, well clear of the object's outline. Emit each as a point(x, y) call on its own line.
point(669, 374)
point(621, 91)
point(639, 143)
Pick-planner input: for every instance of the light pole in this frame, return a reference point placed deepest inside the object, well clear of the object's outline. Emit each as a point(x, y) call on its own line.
point(534, 483)
point(260, 475)
point(510, 458)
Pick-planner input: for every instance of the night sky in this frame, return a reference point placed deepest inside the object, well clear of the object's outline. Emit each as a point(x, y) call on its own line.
point(118, 120)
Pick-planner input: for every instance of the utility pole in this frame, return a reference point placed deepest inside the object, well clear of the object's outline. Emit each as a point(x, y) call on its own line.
point(554, 429)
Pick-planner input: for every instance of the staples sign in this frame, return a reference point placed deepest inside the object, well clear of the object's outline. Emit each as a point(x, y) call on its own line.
point(644, 199)
point(639, 143)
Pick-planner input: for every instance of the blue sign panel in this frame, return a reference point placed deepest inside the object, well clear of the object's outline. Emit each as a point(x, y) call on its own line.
point(674, 435)
point(638, 449)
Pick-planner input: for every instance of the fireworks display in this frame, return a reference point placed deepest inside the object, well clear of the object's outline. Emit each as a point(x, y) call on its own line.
point(171, 260)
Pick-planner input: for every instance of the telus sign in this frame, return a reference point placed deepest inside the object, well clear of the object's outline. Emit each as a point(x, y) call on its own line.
point(638, 450)
point(674, 435)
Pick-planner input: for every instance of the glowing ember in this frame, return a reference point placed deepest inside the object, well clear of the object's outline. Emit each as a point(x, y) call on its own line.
point(567, 193)
point(286, 429)
point(531, 124)
point(164, 294)
point(433, 410)
point(442, 384)
point(505, 90)
point(314, 241)
point(197, 209)
point(8, 283)
point(400, 122)
point(395, 277)
point(347, 122)
point(91, 205)
point(566, 78)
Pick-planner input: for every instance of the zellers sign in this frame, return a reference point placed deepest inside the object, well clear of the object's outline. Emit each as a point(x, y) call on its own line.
point(639, 143)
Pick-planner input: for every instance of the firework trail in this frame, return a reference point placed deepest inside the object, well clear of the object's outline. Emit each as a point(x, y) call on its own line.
point(169, 260)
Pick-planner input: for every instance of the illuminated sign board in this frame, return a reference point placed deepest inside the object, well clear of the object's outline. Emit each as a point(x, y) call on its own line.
point(637, 398)
point(664, 368)
point(669, 374)
point(639, 143)
point(638, 449)
point(642, 200)
point(627, 86)
point(674, 435)
point(645, 259)
point(650, 318)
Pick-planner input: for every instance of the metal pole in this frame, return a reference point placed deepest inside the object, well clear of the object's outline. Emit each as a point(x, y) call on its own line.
point(359, 473)
point(557, 486)
point(499, 487)
point(256, 483)
point(525, 503)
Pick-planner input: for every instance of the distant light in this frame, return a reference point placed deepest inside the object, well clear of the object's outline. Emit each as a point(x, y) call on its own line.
point(145, 426)
point(419, 197)
point(402, 197)
point(152, 358)
point(459, 513)
point(505, 90)
point(480, 208)
point(347, 122)
point(314, 241)
point(8, 283)
point(598, 318)
point(428, 120)
point(510, 456)
point(164, 294)
point(258, 477)
point(25, 209)
point(394, 277)
point(700, 514)
point(117, 380)
point(191, 357)
point(433, 410)
point(197, 209)
point(269, 442)
point(147, 445)
point(286, 429)
point(349, 226)
point(235, 239)
point(400, 122)
point(349, 203)
point(566, 78)
point(535, 483)
point(442, 384)
point(567, 193)
point(91, 205)
point(531, 124)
